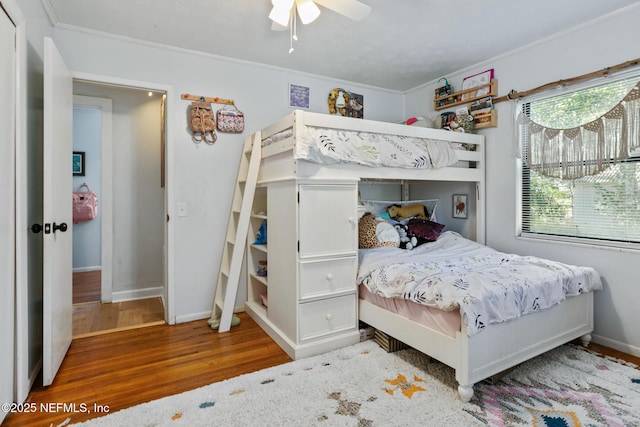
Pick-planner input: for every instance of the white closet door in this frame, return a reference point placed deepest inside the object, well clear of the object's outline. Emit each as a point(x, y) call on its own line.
point(328, 221)
point(7, 213)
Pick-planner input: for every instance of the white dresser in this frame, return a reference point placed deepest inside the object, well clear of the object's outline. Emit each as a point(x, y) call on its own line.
point(311, 253)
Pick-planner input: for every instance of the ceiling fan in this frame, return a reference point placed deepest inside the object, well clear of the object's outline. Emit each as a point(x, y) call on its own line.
point(284, 12)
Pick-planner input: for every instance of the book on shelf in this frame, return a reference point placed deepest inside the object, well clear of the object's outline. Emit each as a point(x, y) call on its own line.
point(481, 104)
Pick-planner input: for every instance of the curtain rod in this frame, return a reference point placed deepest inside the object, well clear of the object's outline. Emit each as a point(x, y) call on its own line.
point(602, 73)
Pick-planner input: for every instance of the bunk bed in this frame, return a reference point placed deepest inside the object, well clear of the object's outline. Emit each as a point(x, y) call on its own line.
point(473, 355)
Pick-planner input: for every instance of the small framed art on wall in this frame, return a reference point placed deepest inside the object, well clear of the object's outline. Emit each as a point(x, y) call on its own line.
point(460, 206)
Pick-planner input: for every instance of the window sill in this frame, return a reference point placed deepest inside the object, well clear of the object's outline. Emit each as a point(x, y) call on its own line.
point(585, 243)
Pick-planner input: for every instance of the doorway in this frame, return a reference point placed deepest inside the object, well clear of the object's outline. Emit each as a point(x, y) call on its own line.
point(118, 258)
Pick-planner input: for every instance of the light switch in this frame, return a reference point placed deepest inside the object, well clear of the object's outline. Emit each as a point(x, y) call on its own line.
point(182, 209)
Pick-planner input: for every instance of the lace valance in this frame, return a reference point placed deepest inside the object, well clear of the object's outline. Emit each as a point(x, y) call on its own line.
point(584, 150)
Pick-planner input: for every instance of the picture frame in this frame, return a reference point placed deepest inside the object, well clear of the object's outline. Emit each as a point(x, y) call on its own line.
point(299, 96)
point(460, 206)
point(77, 163)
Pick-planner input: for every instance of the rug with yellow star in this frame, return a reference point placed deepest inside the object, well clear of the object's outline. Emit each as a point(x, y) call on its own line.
point(365, 386)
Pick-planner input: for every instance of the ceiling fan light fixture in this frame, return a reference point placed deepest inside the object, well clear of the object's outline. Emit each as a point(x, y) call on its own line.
point(307, 10)
point(280, 15)
point(286, 4)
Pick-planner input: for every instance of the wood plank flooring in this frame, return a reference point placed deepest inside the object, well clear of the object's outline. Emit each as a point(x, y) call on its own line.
point(93, 318)
point(86, 286)
point(90, 317)
point(130, 367)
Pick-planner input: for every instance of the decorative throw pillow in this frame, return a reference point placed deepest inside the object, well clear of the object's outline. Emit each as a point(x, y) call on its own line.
point(424, 229)
point(374, 232)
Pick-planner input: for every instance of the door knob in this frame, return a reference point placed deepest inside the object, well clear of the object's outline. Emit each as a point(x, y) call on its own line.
point(36, 228)
point(62, 227)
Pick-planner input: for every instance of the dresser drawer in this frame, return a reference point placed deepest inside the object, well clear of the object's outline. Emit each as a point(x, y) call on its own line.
point(325, 277)
point(327, 316)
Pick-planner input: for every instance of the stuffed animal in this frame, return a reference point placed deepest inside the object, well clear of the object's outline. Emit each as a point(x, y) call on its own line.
point(398, 212)
point(374, 232)
point(406, 241)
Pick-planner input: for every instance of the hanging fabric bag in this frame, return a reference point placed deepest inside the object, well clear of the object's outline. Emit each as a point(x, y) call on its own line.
point(203, 124)
point(85, 205)
point(230, 119)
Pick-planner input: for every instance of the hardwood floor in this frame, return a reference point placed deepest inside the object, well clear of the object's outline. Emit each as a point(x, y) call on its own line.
point(130, 367)
point(90, 317)
point(94, 318)
point(86, 286)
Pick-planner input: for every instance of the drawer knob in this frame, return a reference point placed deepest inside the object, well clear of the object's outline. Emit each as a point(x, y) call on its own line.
point(329, 276)
point(351, 220)
point(329, 316)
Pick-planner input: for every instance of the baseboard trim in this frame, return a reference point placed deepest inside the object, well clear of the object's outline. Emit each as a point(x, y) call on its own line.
point(135, 294)
point(616, 345)
point(203, 315)
point(85, 269)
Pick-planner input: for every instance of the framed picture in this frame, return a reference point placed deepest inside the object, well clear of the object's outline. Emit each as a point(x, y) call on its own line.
point(356, 106)
point(460, 206)
point(78, 163)
point(298, 96)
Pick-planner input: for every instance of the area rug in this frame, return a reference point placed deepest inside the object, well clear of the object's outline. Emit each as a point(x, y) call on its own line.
point(363, 385)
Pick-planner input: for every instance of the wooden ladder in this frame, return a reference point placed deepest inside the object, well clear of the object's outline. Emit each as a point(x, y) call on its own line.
point(236, 239)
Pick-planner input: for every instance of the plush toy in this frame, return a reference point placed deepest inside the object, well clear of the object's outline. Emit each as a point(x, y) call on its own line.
point(374, 232)
point(406, 241)
point(398, 212)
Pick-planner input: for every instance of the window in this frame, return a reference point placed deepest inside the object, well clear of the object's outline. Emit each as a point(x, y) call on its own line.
point(581, 169)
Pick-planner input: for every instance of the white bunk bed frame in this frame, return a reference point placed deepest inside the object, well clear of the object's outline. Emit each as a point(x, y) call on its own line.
point(499, 346)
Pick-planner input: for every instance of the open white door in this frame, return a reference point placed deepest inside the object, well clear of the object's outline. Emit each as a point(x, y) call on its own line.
point(57, 211)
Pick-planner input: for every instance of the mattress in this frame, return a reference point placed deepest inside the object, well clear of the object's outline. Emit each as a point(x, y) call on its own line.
point(486, 286)
point(335, 146)
point(445, 322)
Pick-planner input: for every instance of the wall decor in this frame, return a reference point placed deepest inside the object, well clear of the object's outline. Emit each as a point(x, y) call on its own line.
point(480, 79)
point(345, 103)
point(78, 163)
point(460, 206)
point(298, 96)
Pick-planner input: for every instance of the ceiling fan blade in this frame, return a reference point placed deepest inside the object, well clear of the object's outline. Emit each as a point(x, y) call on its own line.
point(277, 27)
point(352, 9)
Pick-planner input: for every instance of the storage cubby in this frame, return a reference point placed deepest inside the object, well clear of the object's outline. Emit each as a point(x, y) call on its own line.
point(257, 254)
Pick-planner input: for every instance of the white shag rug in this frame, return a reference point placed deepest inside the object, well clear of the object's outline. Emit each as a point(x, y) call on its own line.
point(363, 385)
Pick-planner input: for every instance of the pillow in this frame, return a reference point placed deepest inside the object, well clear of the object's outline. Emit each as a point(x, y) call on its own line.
point(374, 232)
point(379, 207)
point(424, 229)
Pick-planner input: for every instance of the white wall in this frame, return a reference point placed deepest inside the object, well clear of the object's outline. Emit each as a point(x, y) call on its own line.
point(590, 47)
point(87, 238)
point(205, 174)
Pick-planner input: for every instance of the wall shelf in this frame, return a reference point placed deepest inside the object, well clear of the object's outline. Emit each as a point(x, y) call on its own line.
point(465, 96)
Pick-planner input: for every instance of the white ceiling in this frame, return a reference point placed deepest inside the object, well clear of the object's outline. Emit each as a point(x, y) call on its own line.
point(400, 45)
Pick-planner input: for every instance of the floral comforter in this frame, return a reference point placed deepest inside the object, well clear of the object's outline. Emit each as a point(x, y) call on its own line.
point(487, 286)
point(329, 146)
